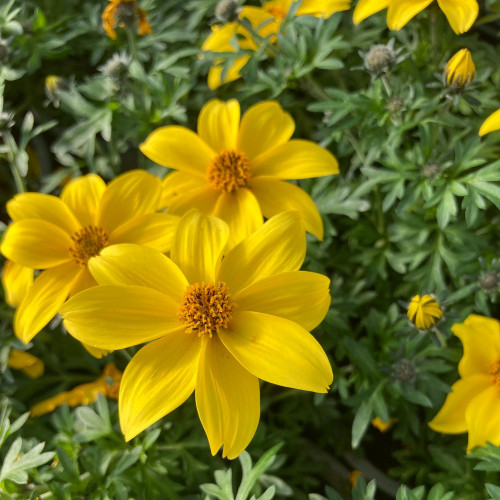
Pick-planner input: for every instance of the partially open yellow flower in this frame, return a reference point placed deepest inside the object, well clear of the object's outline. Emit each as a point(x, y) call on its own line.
point(59, 235)
point(461, 14)
point(491, 124)
point(382, 426)
point(16, 281)
point(460, 69)
point(236, 170)
point(473, 405)
point(122, 13)
point(424, 311)
point(217, 324)
point(26, 362)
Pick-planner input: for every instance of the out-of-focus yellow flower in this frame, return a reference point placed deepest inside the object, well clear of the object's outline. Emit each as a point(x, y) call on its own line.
point(491, 123)
point(53, 84)
point(236, 170)
point(16, 281)
point(460, 69)
point(473, 405)
point(382, 426)
point(424, 311)
point(107, 384)
point(353, 477)
point(124, 13)
point(26, 362)
point(266, 20)
point(215, 325)
point(461, 14)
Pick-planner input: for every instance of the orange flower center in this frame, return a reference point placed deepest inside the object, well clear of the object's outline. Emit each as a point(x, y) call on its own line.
point(495, 373)
point(88, 242)
point(229, 171)
point(276, 12)
point(205, 308)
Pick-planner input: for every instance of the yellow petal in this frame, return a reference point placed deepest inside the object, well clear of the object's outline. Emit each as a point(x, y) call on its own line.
point(480, 337)
point(296, 159)
point(278, 351)
point(461, 14)
point(198, 246)
point(83, 195)
point(323, 8)
point(215, 79)
point(451, 417)
point(264, 126)
point(203, 199)
point(47, 294)
point(227, 398)
point(276, 196)
point(95, 351)
point(298, 296)
point(177, 184)
point(26, 362)
point(218, 124)
point(152, 230)
point(158, 379)
point(16, 281)
point(43, 207)
point(128, 264)
point(115, 317)
point(402, 11)
point(241, 211)
point(178, 148)
point(278, 246)
point(491, 123)
point(366, 8)
point(84, 281)
point(37, 244)
point(128, 196)
point(261, 20)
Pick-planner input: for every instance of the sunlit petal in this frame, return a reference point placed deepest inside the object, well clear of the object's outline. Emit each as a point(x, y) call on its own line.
point(16, 281)
point(491, 123)
point(366, 8)
point(483, 418)
point(461, 14)
point(218, 124)
point(402, 11)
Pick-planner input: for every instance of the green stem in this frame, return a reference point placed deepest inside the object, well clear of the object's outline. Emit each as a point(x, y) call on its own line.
point(356, 146)
point(387, 87)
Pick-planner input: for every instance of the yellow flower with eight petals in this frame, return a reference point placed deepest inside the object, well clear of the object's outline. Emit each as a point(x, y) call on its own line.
point(217, 325)
point(491, 123)
point(424, 311)
point(236, 170)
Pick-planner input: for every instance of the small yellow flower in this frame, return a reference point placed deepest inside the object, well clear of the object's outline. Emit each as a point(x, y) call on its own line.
point(491, 123)
point(236, 170)
point(382, 426)
point(26, 362)
point(124, 13)
point(460, 69)
point(473, 405)
point(16, 281)
point(424, 311)
point(214, 324)
point(107, 384)
point(52, 84)
point(461, 14)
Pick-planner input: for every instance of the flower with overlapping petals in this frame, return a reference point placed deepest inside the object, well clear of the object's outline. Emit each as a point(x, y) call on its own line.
point(59, 235)
point(491, 124)
point(461, 14)
point(460, 70)
point(237, 170)
point(473, 405)
point(215, 325)
point(424, 311)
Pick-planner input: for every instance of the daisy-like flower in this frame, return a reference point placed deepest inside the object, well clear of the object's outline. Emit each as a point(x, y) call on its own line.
point(217, 325)
point(424, 311)
point(124, 13)
point(460, 70)
point(16, 281)
point(266, 21)
point(26, 362)
point(473, 405)
point(491, 124)
point(461, 14)
point(59, 235)
point(236, 170)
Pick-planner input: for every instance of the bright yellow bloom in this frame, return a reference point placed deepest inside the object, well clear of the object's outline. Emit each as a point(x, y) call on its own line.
point(266, 20)
point(491, 123)
point(236, 170)
point(460, 69)
point(382, 426)
point(59, 235)
point(473, 405)
point(16, 281)
point(217, 325)
point(26, 362)
point(122, 12)
point(424, 311)
point(461, 14)
point(107, 384)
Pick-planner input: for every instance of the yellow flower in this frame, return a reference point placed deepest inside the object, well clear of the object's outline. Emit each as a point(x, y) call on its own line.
point(266, 20)
point(122, 13)
point(461, 14)
point(26, 362)
point(16, 281)
point(217, 325)
point(460, 69)
point(491, 123)
point(424, 311)
point(474, 401)
point(107, 384)
point(59, 235)
point(382, 426)
point(236, 170)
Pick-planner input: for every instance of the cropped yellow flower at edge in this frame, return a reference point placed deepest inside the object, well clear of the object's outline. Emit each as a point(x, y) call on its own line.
point(460, 14)
point(424, 311)
point(59, 235)
point(491, 124)
point(122, 12)
point(473, 405)
point(216, 326)
point(266, 21)
point(460, 69)
point(236, 170)
point(26, 362)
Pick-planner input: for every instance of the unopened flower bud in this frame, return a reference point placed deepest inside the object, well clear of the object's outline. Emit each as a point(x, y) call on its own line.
point(227, 11)
point(431, 170)
point(460, 70)
point(380, 59)
point(489, 281)
point(404, 371)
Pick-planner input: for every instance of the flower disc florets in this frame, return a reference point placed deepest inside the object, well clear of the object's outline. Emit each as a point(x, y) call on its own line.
point(88, 242)
point(229, 171)
point(276, 12)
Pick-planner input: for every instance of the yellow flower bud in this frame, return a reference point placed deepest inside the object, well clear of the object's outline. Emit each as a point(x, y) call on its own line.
point(424, 311)
point(460, 70)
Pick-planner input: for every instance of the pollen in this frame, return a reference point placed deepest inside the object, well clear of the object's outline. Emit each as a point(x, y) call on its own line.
point(276, 12)
point(229, 171)
point(205, 308)
point(87, 243)
point(495, 373)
